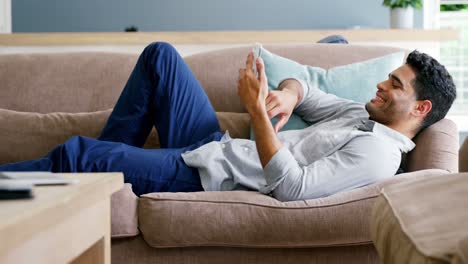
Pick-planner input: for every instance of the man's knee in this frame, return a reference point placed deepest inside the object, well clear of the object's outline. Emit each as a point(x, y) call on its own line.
point(75, 139)
point(77, 142)
point(158, 47)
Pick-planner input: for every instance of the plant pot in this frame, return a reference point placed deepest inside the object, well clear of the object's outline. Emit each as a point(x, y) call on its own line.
point(401, 17)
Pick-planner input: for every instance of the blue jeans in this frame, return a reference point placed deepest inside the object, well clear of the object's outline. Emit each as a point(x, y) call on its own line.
point(161, 92)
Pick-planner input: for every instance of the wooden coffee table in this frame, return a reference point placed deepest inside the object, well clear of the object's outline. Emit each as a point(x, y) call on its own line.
point(61, 224)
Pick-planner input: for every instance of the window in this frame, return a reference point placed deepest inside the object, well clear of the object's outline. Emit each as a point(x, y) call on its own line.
point(5, 16)
point(454, 55)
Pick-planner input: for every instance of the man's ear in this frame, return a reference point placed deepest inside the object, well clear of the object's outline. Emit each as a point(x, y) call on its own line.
point(422, 108)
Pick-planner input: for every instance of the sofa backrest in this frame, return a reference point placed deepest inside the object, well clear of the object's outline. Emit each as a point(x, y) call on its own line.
point(92, 81)
point(63, 82)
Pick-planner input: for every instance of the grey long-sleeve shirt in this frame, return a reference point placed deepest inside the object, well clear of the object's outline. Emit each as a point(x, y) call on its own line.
point(341, 150)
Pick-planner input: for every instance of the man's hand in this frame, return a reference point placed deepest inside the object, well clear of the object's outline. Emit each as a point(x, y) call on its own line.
point(253, 90)
point(280, 103)
point(283, 101)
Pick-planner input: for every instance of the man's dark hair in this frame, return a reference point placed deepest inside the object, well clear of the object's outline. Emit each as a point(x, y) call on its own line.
point(434, 83)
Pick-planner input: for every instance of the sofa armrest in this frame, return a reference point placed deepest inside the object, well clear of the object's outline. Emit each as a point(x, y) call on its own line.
point(421, 221)
point(124, 217)
point(436, 148)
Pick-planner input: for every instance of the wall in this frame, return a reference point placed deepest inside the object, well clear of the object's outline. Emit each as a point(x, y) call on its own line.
point(197, 15)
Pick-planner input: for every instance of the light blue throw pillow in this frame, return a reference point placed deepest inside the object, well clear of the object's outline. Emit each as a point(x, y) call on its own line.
point(356, 81)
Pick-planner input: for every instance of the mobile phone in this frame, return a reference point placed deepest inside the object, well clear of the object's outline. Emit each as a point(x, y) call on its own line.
point(257, 50)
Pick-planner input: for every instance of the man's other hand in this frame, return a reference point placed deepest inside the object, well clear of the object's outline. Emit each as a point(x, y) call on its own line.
point(253, 90)
point(280, 103)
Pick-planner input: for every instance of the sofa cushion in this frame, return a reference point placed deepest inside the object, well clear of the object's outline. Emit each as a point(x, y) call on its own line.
point(432, 228)
point(124, 214)
point(236, 123)
point(32, 135)
point(355, 81)
point(251, 219)
point(440, 140)
point(66, 81)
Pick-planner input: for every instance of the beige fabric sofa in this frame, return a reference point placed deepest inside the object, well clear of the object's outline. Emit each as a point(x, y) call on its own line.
point(204, 227)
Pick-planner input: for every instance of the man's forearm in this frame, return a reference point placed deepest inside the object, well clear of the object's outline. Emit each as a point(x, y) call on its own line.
point(265, 137)
point(253, 92)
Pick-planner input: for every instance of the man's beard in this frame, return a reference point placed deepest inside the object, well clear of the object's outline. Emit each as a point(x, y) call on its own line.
point(376, 115)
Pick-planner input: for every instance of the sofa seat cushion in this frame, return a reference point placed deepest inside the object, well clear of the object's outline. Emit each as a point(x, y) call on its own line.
point(423, 221)
point(251, 219)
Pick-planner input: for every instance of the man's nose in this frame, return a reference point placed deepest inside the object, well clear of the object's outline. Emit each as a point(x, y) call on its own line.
point(381, 86)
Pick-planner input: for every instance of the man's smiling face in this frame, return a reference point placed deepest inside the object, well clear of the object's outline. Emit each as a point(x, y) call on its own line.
point(395, 98)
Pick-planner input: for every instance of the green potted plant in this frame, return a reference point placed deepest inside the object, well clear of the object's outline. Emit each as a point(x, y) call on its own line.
point(401, 12)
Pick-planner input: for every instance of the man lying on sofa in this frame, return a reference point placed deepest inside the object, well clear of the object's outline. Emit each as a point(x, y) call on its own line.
point(349, 145)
